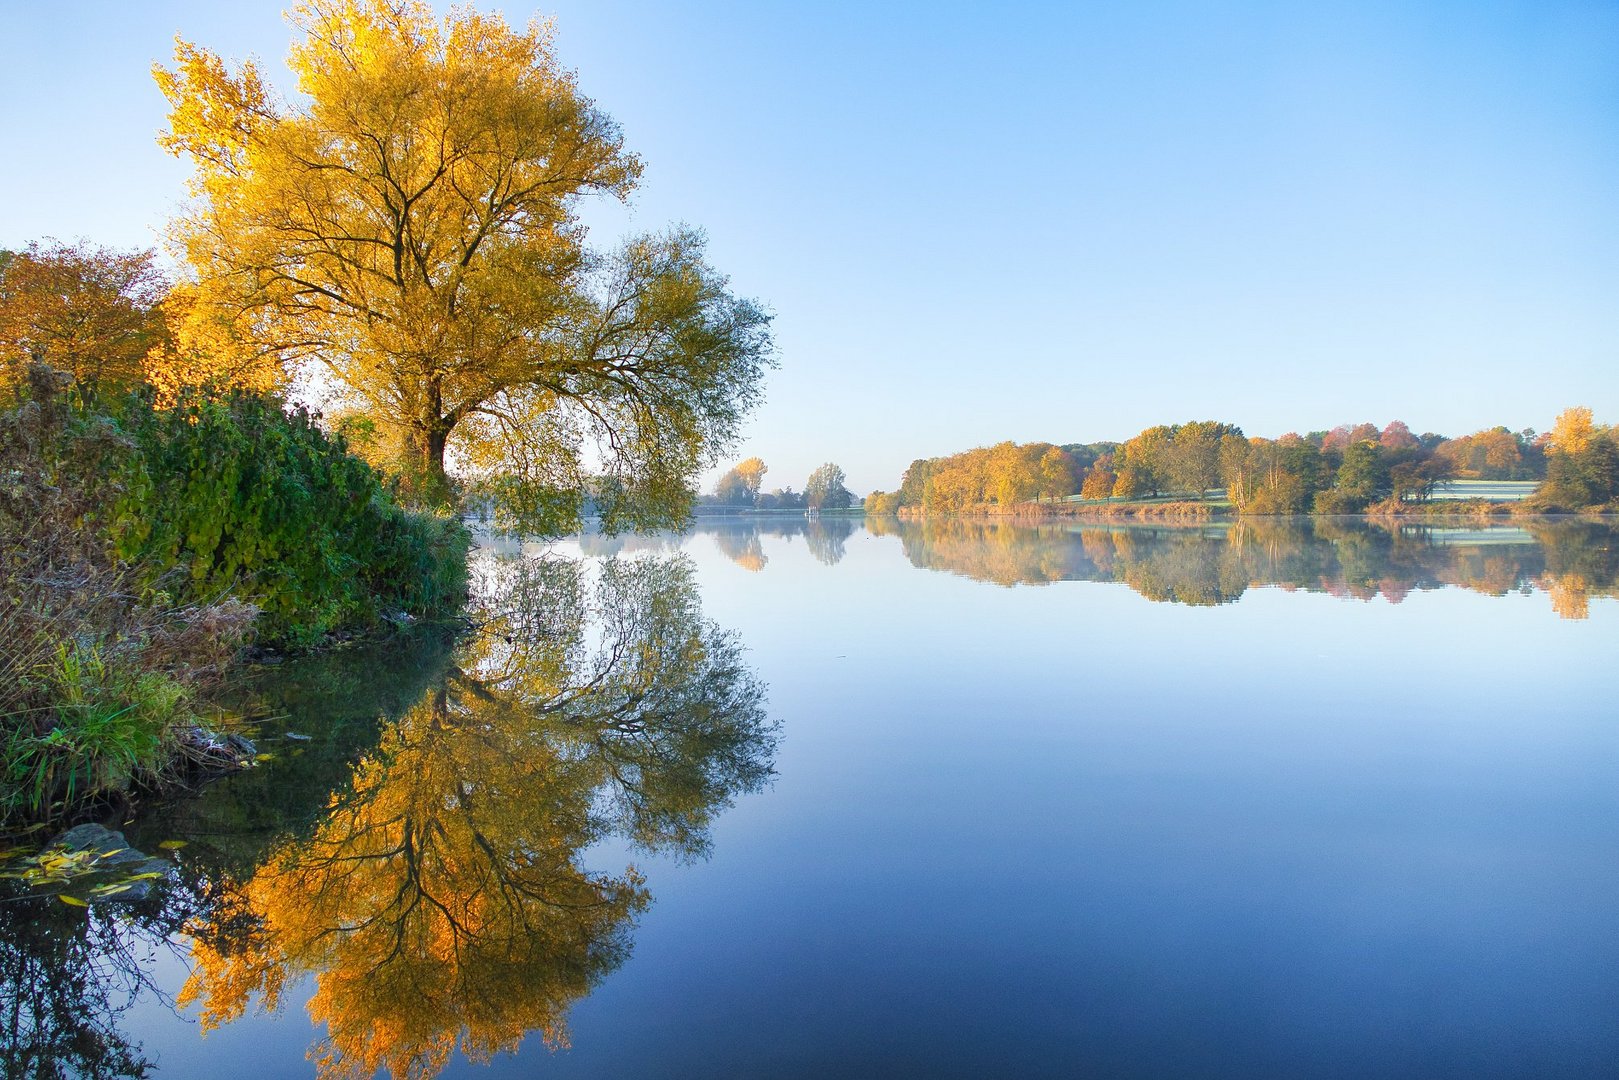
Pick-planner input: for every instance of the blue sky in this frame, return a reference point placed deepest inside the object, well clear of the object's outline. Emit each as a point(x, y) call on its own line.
point(1030, 221)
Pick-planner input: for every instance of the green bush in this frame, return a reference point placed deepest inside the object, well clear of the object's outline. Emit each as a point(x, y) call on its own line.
point(138, 546)
point(241, 496)
point(1339, 501)
point(94, 676)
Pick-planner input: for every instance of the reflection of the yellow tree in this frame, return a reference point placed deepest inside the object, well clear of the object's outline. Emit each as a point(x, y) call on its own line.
point(743, 547)
point(440, 902)
point(1582, 561)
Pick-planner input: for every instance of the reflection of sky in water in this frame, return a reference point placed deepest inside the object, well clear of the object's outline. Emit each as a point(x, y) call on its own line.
point(1064, 831)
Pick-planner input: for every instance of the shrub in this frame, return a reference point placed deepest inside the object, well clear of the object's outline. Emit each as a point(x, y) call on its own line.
point(238, 495)
point(92, 676)
point(1338, 501)
point(138, 548)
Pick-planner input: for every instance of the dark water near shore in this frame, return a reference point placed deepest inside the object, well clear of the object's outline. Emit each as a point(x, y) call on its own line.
point(781, 798)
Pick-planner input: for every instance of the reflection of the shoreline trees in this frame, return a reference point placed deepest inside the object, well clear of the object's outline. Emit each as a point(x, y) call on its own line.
point(739, 537)
point(66, 976)
point(440, 902)
point(1571, 560)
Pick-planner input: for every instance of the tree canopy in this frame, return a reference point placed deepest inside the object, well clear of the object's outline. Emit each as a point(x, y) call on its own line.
point(824, 489)
point(408, 223)
point(739, 486)
point(93, 312)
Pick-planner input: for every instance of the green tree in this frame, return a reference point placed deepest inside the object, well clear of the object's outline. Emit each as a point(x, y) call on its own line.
point(1192, 458)
point(1363, 476)
point(825, 491)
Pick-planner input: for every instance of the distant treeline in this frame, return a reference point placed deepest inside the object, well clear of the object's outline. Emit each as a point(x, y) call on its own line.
point(1350, 469)
point(740, 488)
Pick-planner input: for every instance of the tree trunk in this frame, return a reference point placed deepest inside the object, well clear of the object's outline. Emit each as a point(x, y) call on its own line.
point(429, 484)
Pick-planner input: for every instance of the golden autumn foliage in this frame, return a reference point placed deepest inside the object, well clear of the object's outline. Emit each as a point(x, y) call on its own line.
point(1573, 431)
point(409, 223)
point(1494, 454)
point(93, 312)
point(1001, 475)
point(203, 349)
point(112, 319)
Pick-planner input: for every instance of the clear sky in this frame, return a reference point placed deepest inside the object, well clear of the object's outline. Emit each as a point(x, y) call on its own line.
point(1058, 221)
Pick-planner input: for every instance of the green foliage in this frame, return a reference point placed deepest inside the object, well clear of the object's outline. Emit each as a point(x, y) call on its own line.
point(1338, 501)
point(1364, 474)
point(238, 495)
point(94, 675)
point(824, 489)
point(1581, 479)
point(130, 537)
point(105, 728)
point(1085, 455)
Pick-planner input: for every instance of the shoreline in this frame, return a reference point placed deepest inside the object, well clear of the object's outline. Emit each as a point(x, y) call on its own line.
point(1190, 511)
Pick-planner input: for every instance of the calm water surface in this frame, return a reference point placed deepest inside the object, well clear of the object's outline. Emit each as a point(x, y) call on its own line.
point(789, 799)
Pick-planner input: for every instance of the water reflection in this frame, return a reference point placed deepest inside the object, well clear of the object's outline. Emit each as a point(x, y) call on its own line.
point(1214, 564)
point(66, 979)
point(432, 881)
point(440, 902)
point(740, 538)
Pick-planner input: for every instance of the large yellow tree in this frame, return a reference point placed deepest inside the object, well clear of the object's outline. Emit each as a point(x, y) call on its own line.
point(409, 223)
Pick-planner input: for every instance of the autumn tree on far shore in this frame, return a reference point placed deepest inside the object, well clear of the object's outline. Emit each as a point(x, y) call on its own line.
point(739, 486)
point(1582, 463)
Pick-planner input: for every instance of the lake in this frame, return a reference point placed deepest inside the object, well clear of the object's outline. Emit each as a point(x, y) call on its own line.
point(789, 798)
